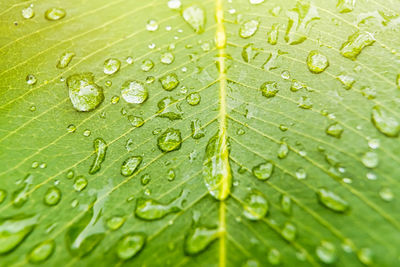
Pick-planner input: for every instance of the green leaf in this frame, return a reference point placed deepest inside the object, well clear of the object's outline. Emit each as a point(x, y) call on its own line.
point(199, 133)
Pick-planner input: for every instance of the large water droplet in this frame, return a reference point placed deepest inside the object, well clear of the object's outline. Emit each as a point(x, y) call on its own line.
point(385, 123)
point(41, 252)
point(263, 171)
point(100, 148)
point(65, 59)
point(130, 245)
point(256, 206)
point(332, 201)
point(199, 239)
point(150, 209)
point(356, 43)
point(248, 28)
point(169, 140)
point(84, 93)
point(195, 17)
point(52, 196)
point(317, 62)
point(130, 165)
point(134, 92)
point(54, 14)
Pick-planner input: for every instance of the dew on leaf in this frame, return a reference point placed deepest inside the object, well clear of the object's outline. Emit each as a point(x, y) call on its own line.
point(135, 121)
point(80, 183)
point(43, 165)
point(285, 75)
point(71, 128)
point(84, 93)
point(152, 25)
point(199, 238)
point(130, 165)
point(174, 4)
point(87, 133)
point(197, 131)
point(249, 52)
point(347, 81)
point(326, 252)
point(255, 206)
point(52, 196)
point(64, 60)
point(304, 102)
point(145, 179)
point(345, 6)
point(273, 34)
point(14, 230)
point(263, 171)
point(32, 108)
point(115, 222)
point(147, 65)
point(169, 108)
point(55, 13)
point(130, 245)
point(331, 200)
point(20, 196)
point(171, 175)
point(286, 204)
point(334, 130)
point(41, 252)
point(195, 16)
point(111, 66)
point(134, 92)
point(386, 194)
point(193, 99)
point(297, 85)
point(317, 62)
point(269, 89)
point(355, 44)
point(129, 60)
point(169, 140)
point(370, 160)
point(216, 167)
point(28, 12)
point(35, 164)
point(100, 149)
point(384, 122)
point(31, 79)
point(300, 22)
point(283, 150)
point(274, 256)
point(289, 231)
point(167, 58)
point(248, 28)
point(169, 81)
point(70, 174)
point(150, 209)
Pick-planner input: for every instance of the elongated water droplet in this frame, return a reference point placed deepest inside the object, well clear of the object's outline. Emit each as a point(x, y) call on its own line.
point(130, 165)
point(13, 231)
point(195, 17)
point(345, 6)
point(300, 22)
point(54, 14)
point(52, 196)
point(256, 206)
point(332, 201)
point(317, 62)
point(130, 245)
point(134, 92)
point(384, 122)
point(65, 59)
point(269, 89)
point(199, 239)
point(263, 171)
point(289, 231)
point(197, 131)
point(168, 108)
point(334, 130)
point(111, 66)
point(169, 81)
point(169, 140)
point(171, 175)
point(326, 252)
point(100, 149)
point(41, 252)
point(249, 52)
point(283, 150)
point(150, 209)
point(80, 183)
point(114, 223)
point(216, 168)
point(355, 44)
point(286, 204)
point(273, 34)
point(84, 94)
point(248, 28)
point(20, 196)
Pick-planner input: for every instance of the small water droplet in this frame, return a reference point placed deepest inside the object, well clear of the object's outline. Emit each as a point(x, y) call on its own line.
point(145, 179)
point(84, 93)
point(273, 34)
point(304, 102)
point(365, 256)
point(193, 99)
point(31, 79)
point(370, 160)
point(100, 149)
point(65, 59)
point(130, 245)
point(345, 6)
point(248, 28)
point(169, 140)
point(70, 174)
point(171, 175)
point(167, 58)
point(264, 170)
point(283, 150)
point(115, 222)
point(130, 165)
point(269, 89)
point(52, 196)
point(152, 25)
point(111, 66)
point(136, 121)
point(386, 194)
point(317, 62)
point(55, 13)
point(289, 231)
point(169, 108)
point(80, 183)
point(147, 65)
point(28, 12)
point(169, 81)
point(197, 131)
point(20, 196)
point(71, 128)
point(347, 81)
point(286, 204)
point(256, 206)
point(297, 85)
point(274, 256)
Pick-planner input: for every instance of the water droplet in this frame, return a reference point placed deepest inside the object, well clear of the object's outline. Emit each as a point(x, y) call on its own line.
point(136, 121)
point(289, 231)
point(326, 252)
point(365, 256)
point(356, 43)
point(169, 140)
point(130, 245)
point(31, 79)
point(368, 92)
point(249, 52)
point(197, 131)
point(87, 133)
point(54, 14)
point(41, 252)
point(317, 62)
point(274, 256)
point(167, 58)
point(345, 6)
point(171, 175)
point(256, 206)
point(283, 150)
point(111, 66)
point(65, 59)
point(14, 230)
point(198, 239)
point(195, 17)
point(216, 168)
point(256, 2)
point(304, 102)
point(297, 85)
point(116, 222)
point(130, 165)
point(100, 148)
point(70, 174)
point(145, 179)
point(332, 201)
point(169, 81)
point(150, 209)
point(134, 92)
point(28, 12)
point(3, 195)
point(273, 34)
point(248, 28)
point(269, 89)
point(84, 93)
point(52, 196)
point(286, 204)
point(334, 130)
point(285, 75)
point(385, 193)
point(347, 81)
point(152, 25)
point(300, 22)
point(264, 170)
point(370, 160)
point(169, 108)
point(385, 123)
point(20, 196)
point(71, 128)
point(193, 99)
point(147, 65)
point(80, 183)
